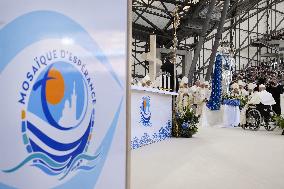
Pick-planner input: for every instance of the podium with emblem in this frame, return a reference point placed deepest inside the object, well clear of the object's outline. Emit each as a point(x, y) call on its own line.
point(151, 116)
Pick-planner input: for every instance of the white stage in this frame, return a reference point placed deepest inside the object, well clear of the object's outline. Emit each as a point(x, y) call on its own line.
point(151, 116)
point(216, 158)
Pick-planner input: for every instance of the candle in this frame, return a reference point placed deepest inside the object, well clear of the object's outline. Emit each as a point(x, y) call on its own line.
point(165, 81)
point(161, 81)
point(169, 81)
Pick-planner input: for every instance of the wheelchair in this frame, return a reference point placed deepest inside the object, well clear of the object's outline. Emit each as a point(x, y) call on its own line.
point(260, 115)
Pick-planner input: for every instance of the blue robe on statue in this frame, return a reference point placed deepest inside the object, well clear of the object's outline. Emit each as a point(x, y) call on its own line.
point(216, 95)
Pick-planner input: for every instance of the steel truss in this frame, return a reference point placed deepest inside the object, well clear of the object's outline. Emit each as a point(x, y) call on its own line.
point(155, 17)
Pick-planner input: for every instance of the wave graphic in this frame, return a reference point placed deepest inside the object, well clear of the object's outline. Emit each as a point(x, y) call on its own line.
point(46, 169)
point(72, 155)
point(90, 159)
point(48, 163)
point(38, 156)
point(77, 147)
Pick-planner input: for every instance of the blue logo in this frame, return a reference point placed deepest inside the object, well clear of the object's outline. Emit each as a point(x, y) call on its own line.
point(57, 111)
point(145, 112)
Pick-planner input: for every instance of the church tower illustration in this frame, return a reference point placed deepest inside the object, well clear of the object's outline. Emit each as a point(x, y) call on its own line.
point(69, 112)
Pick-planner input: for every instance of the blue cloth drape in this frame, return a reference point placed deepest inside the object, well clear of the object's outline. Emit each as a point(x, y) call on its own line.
point(216, 95)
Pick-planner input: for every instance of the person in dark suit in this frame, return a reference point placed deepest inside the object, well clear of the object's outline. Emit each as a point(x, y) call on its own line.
point(276, 90)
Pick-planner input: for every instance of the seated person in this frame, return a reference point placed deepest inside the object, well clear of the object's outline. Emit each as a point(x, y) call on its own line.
point(263, 101)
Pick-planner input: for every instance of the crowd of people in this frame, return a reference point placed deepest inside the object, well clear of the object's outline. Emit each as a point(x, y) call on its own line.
point(193, 96)
point(199, 93)
point(259, 94)
point(266, 73)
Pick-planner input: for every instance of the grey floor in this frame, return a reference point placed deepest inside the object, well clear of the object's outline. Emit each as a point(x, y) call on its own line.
point(216, 158)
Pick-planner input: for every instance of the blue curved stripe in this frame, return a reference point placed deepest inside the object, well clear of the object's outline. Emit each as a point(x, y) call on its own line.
point(78, 158)
point(39, 83)
point(49, 171)
point(146, 119)
point(34, 156)
point(39, 25)
point(51, 168)
point(82, 157)
point(50, 142)
point(79, 149)
point(46, 170)
point(4, 186)
point(62, 158)
point(86, 168)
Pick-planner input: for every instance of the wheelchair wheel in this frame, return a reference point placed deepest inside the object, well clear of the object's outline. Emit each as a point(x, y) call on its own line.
point(270, 125)
point(244, 126)
point(253, 119)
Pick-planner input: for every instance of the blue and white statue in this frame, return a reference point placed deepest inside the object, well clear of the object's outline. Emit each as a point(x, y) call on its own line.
point(228, 64)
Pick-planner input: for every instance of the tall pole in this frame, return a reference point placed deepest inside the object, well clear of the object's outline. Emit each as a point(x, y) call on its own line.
point(201, 40)
point(217, 39)
point(176, 23)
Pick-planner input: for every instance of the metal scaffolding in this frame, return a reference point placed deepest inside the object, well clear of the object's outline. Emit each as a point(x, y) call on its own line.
point(249, 24)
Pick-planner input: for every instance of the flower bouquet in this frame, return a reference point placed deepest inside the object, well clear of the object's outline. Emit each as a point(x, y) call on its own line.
point(234, 100)
point(243, 101)
point(186, 123)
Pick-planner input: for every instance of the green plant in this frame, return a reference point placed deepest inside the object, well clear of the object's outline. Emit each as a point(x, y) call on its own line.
point(279, 121)
point(243, 101)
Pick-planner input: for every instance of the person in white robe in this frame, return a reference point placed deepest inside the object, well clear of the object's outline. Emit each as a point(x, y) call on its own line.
point(251, 92)
point(242, 91)
point(185, 97)
point(251, 87)
point(195, 87)
point(207, 90)
point(235, 90)
point(262, 100)
point(204, 112)
point(200, 99)
point(262, 97)
point(146, 81)
point(157, 82)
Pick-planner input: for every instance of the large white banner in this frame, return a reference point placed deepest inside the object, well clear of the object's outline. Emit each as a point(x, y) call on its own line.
point(62, 99)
